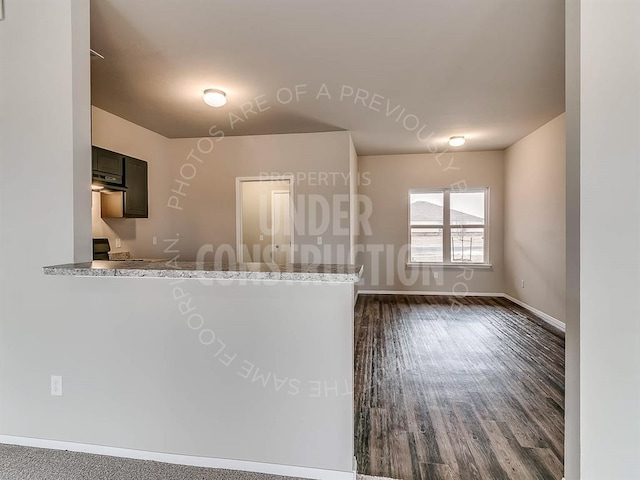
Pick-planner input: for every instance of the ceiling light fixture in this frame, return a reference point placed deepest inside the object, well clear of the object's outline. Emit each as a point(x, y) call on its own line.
point(456, 141)
point(214, 97)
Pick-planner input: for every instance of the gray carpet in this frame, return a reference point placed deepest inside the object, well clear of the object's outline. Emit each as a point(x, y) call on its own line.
point(25, 463)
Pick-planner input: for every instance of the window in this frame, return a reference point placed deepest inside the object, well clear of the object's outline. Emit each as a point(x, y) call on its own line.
point(448, 226)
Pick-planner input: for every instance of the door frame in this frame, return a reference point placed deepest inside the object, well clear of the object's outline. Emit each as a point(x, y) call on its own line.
point(262, 178)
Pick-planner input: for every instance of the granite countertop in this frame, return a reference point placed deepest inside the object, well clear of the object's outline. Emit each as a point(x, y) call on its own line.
point(119, 255)
point(243, 271)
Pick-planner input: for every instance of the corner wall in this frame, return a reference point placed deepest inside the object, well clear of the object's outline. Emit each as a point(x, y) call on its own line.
point(609, 122)
point(534, 219)
point(572, 336)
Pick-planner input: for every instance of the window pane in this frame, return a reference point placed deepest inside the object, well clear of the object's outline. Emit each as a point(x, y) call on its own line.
point(427, 208)
point(426, 245)
point(467, 208)
point(467, 245)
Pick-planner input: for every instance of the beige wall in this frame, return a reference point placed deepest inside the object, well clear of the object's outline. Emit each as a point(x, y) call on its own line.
point(534, 247)
point(385, 183)
point(197, 177)
point(207, 215)
point(119, 135)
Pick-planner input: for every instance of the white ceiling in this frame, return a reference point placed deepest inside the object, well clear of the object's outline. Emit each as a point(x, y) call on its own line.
point(492, 70)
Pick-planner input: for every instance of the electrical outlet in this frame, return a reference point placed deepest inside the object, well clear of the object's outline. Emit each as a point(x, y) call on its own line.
point(118, 243)
point(261, 237)
point(435, 274)
point(154, 240)
point(319, 240)
point(522, 283)
point(56, 385)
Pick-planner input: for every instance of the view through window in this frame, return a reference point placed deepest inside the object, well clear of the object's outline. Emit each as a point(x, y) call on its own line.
point(448, 226)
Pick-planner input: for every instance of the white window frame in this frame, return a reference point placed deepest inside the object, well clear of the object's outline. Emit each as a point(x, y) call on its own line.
point(447, 227)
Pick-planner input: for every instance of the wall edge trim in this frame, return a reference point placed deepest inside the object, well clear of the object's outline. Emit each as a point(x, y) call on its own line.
point(554, 322)
point(427, 292)
point(179, 459)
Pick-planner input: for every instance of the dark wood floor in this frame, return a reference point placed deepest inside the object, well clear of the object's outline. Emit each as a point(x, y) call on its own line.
point(457, 388)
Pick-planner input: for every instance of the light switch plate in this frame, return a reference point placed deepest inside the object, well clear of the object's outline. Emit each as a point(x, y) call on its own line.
point(118, 243)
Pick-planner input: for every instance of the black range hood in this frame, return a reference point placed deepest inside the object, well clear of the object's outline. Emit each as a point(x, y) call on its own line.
point(107, 171)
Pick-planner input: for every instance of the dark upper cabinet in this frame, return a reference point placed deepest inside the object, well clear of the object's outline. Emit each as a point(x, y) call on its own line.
point(134, 201)
point(107, 162)
point(136, 198)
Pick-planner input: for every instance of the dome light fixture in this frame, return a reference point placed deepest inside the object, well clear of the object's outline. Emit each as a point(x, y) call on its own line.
point(214, 97)
point(456, 141)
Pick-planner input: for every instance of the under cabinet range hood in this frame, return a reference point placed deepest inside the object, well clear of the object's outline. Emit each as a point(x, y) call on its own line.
point(107, 171)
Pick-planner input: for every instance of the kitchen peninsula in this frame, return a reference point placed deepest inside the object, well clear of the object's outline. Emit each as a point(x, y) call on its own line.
point(248, 366)
point(238, 271)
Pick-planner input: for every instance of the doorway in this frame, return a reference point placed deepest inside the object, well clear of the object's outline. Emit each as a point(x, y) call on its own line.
point(264, 219)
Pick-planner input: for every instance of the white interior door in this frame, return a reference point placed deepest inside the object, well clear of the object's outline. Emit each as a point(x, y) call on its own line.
point(281, 224)
point(264, 219)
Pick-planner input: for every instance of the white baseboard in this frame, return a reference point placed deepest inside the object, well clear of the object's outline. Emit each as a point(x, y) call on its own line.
point(427, 292)
point(240, 465)
point(543, 316)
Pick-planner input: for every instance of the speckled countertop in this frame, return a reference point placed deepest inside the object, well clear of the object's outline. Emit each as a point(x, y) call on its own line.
point(244, 271)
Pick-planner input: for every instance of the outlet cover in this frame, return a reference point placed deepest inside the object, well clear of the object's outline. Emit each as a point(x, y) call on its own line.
point(56, 385)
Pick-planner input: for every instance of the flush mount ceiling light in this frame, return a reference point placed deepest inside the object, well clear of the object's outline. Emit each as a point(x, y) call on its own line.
point(456, 141)
point(214, 97)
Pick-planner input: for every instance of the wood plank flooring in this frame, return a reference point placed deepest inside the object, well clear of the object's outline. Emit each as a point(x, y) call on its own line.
point(457, 388)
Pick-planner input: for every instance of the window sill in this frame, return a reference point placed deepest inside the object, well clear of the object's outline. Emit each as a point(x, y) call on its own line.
point(451, 265)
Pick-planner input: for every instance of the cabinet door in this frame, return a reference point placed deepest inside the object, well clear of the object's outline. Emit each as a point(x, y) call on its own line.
point(136, 203)
point(106, 161)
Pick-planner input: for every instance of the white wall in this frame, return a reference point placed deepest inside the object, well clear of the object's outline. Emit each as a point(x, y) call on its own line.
point(534, 219)
point(45, 175)
point(610, 239)
point(385, 184)
point(230, 379)
point(44, 132)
